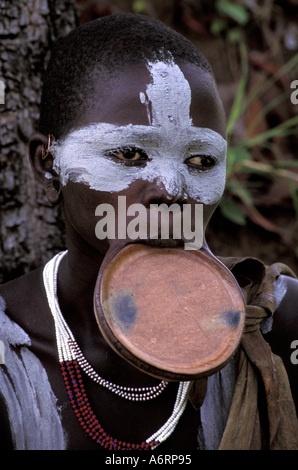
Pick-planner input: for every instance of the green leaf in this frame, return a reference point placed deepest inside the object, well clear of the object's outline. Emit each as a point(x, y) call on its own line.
point(266, 109)
point(237, 107)
point(139, 6)
point(237, 12)
point(217, 26)
point(239, 190)
point(286, 128)
point(235, 156)
point(294, 195)
point(234, 35)
point(262, 87)
point(285, 163)
point(233, 212)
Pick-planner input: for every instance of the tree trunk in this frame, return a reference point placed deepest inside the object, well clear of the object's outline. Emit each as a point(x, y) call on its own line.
point(31, 231)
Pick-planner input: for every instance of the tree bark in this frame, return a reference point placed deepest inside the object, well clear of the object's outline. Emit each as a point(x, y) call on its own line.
point(31, 230)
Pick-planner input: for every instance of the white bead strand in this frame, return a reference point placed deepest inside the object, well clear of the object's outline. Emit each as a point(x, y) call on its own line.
point(68, 348)
point(168, 428)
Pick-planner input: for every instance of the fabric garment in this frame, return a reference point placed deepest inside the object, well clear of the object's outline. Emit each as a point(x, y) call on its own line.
point(252, 391)
point(262, 414)
point(30, 402)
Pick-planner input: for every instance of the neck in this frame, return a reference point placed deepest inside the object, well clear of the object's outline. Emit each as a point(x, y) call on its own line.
point(77, 276)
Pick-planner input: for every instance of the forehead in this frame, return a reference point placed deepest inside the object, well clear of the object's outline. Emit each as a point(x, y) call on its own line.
point(141, 92)
point(171, 112)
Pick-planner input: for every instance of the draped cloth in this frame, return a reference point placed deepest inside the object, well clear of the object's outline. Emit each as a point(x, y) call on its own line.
point(262, 414)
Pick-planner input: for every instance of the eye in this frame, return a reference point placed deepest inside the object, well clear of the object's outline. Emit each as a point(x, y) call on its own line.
point(201, 162)
point(128, 154)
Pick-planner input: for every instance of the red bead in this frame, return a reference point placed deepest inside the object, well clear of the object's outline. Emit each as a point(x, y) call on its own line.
point(84, 413)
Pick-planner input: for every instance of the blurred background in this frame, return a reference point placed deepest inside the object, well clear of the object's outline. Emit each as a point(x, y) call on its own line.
point(252, 46)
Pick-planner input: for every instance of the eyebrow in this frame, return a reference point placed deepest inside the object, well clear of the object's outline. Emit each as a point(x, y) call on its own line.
point(104, 134)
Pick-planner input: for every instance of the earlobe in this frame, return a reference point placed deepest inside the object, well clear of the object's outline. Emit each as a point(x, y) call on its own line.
point(41, 161)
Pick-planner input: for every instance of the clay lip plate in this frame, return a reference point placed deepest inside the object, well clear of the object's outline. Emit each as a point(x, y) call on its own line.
point(174, 313)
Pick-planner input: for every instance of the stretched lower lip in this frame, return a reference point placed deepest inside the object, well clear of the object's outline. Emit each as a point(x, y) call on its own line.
point(162, 243)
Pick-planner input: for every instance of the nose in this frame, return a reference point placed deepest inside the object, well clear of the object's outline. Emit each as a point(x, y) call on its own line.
point(157, 194)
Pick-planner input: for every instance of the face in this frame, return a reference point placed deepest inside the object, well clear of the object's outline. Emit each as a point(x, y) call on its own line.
point(157, 136)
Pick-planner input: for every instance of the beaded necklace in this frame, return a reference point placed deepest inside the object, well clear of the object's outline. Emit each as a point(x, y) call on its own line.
point(72, 362)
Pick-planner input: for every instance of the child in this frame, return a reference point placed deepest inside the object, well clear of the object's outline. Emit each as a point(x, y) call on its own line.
point(130, 108)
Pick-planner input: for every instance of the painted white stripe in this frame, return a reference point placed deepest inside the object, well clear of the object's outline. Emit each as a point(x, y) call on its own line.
point(168, 140)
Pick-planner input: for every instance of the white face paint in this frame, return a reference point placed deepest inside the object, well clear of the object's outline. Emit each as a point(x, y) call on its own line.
point(169, 140)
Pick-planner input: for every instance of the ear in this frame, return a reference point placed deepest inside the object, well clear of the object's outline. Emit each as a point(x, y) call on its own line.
point(43, 167)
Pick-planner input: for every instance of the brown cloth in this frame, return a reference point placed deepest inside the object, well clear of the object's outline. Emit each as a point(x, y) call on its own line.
point(262, 414)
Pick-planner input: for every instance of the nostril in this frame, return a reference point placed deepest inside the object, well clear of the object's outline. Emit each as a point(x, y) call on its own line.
point(166, 200)
point(158, 195)
point(173, 200)
point(160, 201)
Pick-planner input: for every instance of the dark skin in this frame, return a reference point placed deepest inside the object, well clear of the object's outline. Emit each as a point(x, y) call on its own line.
point(129, 421)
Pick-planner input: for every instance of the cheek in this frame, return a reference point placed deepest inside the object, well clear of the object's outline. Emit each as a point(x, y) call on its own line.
point(207, 187)
point(99, 174)
point(169, 170)
point(79, 204)
point(78, 164)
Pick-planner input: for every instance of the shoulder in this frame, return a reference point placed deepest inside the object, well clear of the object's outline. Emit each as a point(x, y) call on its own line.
point(26, 305)
point(286, 313)
point(283, 337)
point(23, 298)
point(21, 291)
point(28, 405)
point(12, 311)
